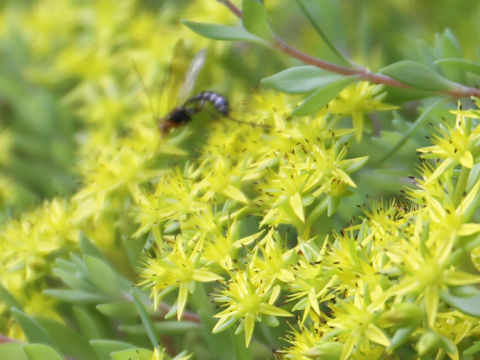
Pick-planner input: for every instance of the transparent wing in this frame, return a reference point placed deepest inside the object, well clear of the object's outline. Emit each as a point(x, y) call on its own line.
point(191, 76)
point(174, 79)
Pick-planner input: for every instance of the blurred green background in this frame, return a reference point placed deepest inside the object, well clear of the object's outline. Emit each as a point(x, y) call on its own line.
point(66, 71)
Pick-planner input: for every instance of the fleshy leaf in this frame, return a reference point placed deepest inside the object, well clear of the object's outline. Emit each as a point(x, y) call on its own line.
point(221, 343)
point(417, 75)
point(311, 10)
point(133, 354)
point(75, 296)
point(146, 320)
point(465, 65)
point(223, 32)
point(88, 248)
point(7, 299)
point(105, 348)
point(322, 96)
point(474, 349)
point(69, 341)
point(41, 352)
point(102, 276)
point(300, 79)
point(401, 336)
point(12, 351)
point(120, 309)
point(34, 332)
point(254, 19)
point(468, 305)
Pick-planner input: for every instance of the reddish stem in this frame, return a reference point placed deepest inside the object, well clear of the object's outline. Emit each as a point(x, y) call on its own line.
point(231, 7)
point(361, 72)
point(186, 316)
point(5, 339)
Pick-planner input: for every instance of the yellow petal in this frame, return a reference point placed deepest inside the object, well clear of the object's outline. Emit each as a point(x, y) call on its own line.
point(234, 193)
point(297, 207)
point(249, 324)
point(466, 159)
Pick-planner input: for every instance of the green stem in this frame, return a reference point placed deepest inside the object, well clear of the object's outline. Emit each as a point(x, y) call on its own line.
point(461, 185)
point(411, 131)
point(363, 73)
point(321, 33)
point(200, 301)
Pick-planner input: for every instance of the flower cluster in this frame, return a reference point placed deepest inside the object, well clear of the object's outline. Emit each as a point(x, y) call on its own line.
point(230, 222)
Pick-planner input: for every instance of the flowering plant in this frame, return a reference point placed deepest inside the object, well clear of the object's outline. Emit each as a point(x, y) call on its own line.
point(236, 233)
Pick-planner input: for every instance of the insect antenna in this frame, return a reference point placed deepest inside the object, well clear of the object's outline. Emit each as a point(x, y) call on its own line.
point(215, 115)
point(252, 124)
point(152, 108)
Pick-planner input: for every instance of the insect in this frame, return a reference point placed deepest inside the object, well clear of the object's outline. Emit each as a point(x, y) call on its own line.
point(175, 100)
point(183, 114)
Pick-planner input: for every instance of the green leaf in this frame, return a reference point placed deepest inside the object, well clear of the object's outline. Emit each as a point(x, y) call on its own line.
point(450, 48)
point(325, 351)
point(120, 309)
point(320, 98)
point(300, 79)
point(66, 266)
point(428, 342)
point(106, 347)
point(33, 331)
point(79, 264)
point(73, 281)
point(165, 327)
point(466, 65)
point(472, 350)
point(333, 204)
point(75, 296)
point(254, 19)
point(310, 11)
point(426, 52)
point(352, 165)
point(399, 96)
point(133, 354)
point(12, 351)
point(401, 336)
point(146, 320)
point(469, 305)
point(41, 352)
point(318, 210)
point(223, 32)
point(90, 328)
point(417, 75)
point(69, 341)
point(133, 249)
point(88, 248)
point(7, 299)
point(102, 276)
point(408, 134)
point(222, 344)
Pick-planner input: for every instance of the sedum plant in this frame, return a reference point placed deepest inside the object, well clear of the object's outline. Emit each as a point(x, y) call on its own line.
point(235, 236)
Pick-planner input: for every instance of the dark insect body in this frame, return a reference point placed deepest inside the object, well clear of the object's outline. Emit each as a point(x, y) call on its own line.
point(183, 114)
point(216, 100)
point(179, 83)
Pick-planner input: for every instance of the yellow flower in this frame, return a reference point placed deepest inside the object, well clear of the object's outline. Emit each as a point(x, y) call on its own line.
point(179, 269)
point(356, 100)
point(246, 301)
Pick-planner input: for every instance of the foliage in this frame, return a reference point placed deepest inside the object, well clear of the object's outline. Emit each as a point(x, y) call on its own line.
point(234, 235)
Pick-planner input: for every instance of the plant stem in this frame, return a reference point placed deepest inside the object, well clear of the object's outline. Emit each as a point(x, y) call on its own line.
point(377, 78)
